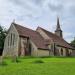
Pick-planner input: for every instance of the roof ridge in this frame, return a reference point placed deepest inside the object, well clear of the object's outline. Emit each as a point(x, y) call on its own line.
point(50, 32)
point(23, 26)
point(56, 36)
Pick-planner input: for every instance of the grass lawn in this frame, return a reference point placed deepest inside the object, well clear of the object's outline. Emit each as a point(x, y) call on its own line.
point(30, 66)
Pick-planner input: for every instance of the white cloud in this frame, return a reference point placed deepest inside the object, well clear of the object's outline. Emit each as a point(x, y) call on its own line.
point(32, 13)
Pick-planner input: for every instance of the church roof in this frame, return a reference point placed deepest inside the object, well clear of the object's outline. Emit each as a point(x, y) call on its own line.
point(33, 35)
point(38, 40)
point(57, 40)
point(58, 25)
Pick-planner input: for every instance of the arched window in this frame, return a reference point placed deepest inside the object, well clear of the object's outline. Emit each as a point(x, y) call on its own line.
point(11, 40)
point(68, 52)
point(8, 40)
point(61, 51)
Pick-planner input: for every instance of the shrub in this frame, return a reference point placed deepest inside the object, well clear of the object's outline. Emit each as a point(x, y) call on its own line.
point(3, 63)
point(46, 57)
point(39, 61)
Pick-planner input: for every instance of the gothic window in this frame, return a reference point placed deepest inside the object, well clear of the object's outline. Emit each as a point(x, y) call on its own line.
point(13, 39)
point(61, 51)
point(68, 52)
point(8, 40)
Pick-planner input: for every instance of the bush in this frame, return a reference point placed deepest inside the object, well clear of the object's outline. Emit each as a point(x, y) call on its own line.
point(39, 61)
point(3, 63)
point(46, 57)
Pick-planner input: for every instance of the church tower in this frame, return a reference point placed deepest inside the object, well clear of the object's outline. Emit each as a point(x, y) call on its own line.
point(58, 30)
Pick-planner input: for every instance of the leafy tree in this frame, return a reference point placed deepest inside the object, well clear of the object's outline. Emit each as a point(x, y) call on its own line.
point(2, 37)
point(73, 42)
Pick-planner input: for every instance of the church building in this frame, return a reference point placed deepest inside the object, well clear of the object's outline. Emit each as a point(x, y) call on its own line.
point(22, 41)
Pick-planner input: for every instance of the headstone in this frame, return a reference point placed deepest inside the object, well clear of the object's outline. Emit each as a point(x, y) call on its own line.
point(1, 60)
point(14, 58)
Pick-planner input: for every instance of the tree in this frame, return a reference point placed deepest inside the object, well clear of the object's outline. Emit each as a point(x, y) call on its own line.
point(3, 33)
point(73, 42)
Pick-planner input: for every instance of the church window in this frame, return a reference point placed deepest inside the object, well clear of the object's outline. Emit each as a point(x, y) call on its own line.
point(8, 40)
point(61, 51)
point(13, 39)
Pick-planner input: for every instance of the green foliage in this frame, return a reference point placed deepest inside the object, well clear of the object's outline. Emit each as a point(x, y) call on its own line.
point(73, 42)
point(3, 63)
point(2, 36)
point(39, 61)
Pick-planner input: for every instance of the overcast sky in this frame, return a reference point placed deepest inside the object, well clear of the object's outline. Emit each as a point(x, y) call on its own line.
point(43, 13)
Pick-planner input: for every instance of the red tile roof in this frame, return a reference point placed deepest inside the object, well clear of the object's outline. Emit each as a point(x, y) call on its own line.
point(33, 35)
point(58, 40)
point(38, 40)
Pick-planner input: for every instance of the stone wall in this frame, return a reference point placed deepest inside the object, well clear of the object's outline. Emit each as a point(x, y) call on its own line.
point(42, 33)
point(11, 48)
point(63, 53)
point(42, 52)
point(66, 51)
point(33, 49)
point(23, 46)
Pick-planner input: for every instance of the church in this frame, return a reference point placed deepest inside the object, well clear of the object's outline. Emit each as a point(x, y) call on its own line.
point(22, 41)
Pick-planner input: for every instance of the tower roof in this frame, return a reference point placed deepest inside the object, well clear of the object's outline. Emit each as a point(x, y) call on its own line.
point(58, 24)
point(58, 30)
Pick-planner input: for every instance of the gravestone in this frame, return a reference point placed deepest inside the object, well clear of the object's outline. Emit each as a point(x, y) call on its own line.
point(1, 60)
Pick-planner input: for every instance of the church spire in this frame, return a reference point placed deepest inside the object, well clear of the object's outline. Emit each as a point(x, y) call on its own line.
point(58, 30)
point(58, 24)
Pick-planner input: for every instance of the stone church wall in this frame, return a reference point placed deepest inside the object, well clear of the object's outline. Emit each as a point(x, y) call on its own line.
point(42, 34)
point(42, 52)
point(10, 49)
point(33, 49)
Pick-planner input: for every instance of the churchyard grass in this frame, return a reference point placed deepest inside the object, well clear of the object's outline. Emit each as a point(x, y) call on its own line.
point(39, 66)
